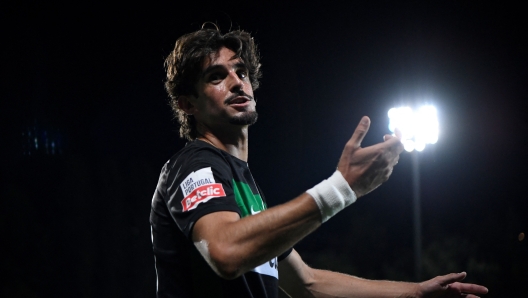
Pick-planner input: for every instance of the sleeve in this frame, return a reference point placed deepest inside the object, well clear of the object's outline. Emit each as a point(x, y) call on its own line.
point(199, 184)
point(284, 254)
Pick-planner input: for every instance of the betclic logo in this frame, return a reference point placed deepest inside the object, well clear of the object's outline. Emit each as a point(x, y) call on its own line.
point(200, 187)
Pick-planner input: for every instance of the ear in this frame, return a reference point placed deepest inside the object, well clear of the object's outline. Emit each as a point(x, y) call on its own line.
point(186, 105)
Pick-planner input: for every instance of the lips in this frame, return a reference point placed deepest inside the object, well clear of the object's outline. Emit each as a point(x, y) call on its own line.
point(238, 100)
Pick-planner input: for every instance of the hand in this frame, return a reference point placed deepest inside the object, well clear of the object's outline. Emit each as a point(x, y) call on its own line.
point(367, 168)
point(448, 286)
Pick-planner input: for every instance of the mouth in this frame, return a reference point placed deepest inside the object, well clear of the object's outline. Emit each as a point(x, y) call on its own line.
point(239, 100)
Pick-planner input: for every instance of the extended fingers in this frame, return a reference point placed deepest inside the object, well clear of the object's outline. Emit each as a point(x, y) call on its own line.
point(391, 148)
point(448, 279)
point(360, 132)
point(394, 142)
point(469, 288)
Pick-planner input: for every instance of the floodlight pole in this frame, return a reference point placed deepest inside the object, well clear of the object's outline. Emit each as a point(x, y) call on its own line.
point(426, 120)
point(417, 216)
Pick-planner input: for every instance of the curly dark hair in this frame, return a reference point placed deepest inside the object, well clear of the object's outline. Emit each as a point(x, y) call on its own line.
point(184, 66)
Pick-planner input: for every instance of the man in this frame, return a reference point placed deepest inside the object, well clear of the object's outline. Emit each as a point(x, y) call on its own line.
point(212, 233)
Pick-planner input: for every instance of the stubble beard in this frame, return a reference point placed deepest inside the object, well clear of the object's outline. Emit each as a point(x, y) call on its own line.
point(246, 118)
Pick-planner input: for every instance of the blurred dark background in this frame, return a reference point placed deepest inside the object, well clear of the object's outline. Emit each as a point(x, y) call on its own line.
point(86, 129)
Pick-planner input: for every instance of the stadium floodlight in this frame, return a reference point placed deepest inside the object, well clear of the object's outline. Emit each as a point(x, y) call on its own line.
point(419, 127)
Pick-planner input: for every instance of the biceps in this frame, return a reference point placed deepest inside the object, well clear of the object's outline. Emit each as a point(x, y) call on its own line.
point(209, 226)
point(209, 236)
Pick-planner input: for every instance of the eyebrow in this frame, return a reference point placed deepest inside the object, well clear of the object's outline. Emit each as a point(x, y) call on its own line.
point(215, 67)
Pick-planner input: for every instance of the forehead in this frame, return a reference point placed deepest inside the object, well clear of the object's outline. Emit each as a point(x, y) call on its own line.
point(223, 56)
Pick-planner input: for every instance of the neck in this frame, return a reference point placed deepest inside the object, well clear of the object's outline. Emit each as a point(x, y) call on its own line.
point(234, 143)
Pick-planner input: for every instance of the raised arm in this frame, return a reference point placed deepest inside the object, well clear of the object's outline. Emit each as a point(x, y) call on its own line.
point(233, 246)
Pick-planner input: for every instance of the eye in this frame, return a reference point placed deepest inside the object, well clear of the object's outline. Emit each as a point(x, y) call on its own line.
point(242, 73)
point(215, 77)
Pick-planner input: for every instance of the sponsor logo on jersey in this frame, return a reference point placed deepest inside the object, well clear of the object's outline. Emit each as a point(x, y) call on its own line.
point(253, 212)
point(249, 203)
point(200, 187)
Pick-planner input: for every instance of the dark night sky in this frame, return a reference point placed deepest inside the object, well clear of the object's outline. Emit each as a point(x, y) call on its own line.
point(91, 77)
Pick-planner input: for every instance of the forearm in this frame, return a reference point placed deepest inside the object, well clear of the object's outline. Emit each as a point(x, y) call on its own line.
point(233, 245)
point(332, 284)
point(237, 246)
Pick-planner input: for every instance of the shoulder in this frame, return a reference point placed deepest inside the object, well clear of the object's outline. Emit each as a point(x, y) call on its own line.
point(198, 159)
point(197, 154)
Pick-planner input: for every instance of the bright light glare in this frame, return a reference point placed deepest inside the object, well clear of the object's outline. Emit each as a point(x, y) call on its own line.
point(419, 127)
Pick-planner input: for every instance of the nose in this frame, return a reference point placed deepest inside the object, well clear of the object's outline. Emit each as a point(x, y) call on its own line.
point(235, 83)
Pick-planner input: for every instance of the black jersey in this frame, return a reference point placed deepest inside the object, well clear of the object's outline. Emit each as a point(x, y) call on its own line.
point(198, 180)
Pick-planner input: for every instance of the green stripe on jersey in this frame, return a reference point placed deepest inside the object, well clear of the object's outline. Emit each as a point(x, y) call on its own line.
point(248, 202)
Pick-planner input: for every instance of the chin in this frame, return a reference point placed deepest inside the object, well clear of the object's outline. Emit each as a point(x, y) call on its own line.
point(246, 118)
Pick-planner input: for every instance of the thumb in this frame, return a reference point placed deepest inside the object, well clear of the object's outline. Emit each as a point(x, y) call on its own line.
point(360, 132)
point(451, 278)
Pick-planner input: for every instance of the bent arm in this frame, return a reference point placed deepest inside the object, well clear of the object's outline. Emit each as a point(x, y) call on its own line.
point(232, 245)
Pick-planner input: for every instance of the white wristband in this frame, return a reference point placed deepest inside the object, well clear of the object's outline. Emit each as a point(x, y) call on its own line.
point(332, 195)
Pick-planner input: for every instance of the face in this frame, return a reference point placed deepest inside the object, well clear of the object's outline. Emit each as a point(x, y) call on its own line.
point(225, 95)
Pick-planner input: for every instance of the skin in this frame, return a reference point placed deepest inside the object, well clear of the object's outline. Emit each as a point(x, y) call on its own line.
point(235, 245)
point(222, 79)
